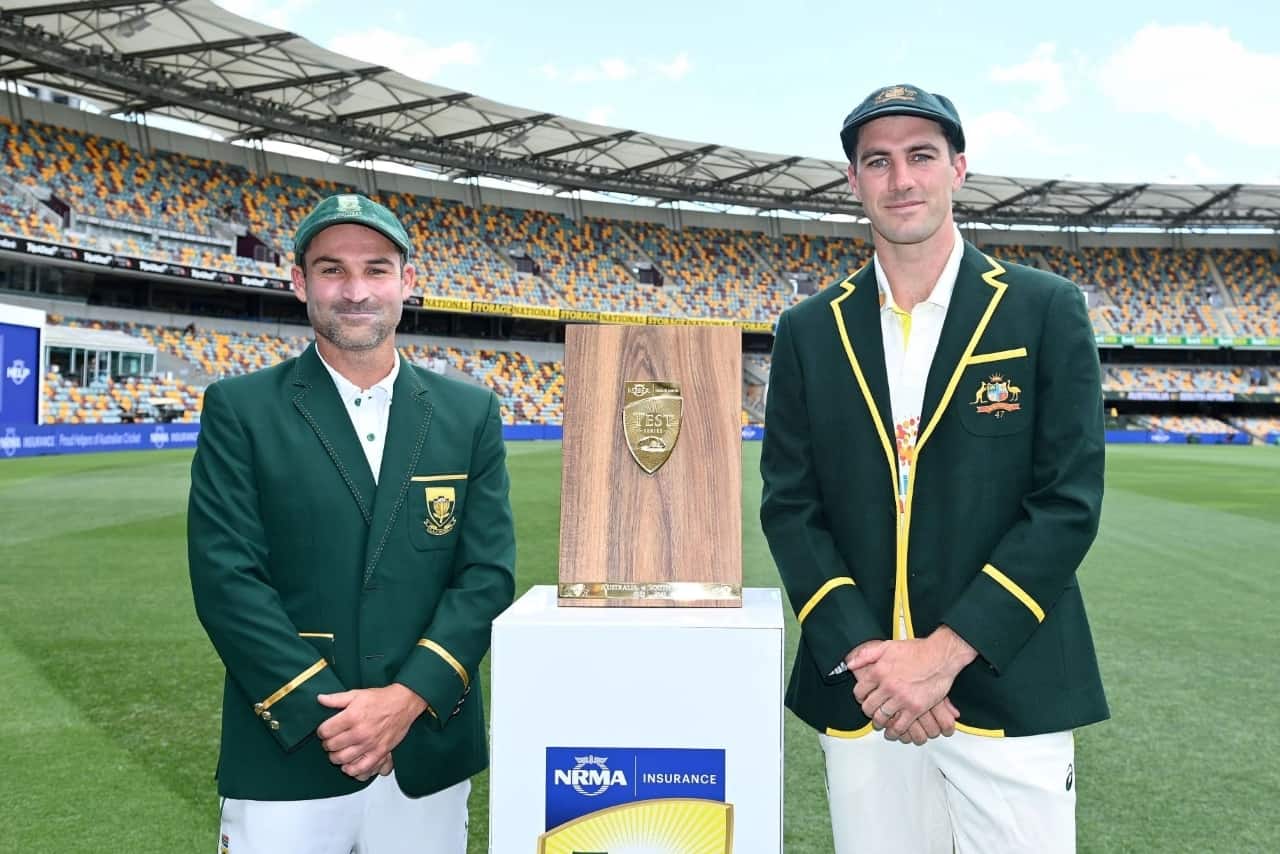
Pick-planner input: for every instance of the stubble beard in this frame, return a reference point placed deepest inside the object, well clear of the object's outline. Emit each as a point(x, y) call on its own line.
point(328, 325)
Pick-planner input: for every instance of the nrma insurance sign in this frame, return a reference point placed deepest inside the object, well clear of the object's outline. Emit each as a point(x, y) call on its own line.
point(606, 800)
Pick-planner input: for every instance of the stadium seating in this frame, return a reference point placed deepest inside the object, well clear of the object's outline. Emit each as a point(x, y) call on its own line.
point(1253, 281)
point(171, 207)
point(1169, 378)
point(110, 401)
point(1259, 428)
point(1188, 424)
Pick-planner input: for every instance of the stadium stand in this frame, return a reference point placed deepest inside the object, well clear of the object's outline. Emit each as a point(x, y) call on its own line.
point(1187, 424)
point(1259, 428)
point(171, 207)
point(1253, 286)
point(1239, 380)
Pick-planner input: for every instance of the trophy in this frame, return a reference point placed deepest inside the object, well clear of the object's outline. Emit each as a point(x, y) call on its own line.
point(652, 479)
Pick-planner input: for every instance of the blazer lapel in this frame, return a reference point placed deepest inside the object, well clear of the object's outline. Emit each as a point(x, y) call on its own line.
point(317, 400)
point(857, 319)
point(407, 427)
point(977, 292)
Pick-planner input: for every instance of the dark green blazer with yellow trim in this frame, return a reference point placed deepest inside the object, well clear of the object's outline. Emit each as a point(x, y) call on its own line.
point(1004, 501)
point(310, 579)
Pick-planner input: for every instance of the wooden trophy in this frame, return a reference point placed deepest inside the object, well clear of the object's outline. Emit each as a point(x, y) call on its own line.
point(651, 511)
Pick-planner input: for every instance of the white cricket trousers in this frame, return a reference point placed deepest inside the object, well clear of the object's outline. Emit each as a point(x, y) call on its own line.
point(966, 794)
point(378, 819)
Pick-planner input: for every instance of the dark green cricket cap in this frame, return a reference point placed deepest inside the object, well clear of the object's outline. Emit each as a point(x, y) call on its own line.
point(902, 100)
point(352, 208)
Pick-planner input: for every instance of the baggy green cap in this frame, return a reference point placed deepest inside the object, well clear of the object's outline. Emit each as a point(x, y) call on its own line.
point(902, 100)
point(353, 208)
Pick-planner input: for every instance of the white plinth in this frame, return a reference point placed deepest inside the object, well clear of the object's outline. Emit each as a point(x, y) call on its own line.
point(635, 678)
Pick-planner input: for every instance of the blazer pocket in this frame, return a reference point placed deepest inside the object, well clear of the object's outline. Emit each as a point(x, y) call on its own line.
point(991, 398)
point(435, 509)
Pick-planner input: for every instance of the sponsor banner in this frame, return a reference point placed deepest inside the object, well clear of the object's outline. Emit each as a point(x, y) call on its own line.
point(1273, 438)
point(1177, 341)
point(756, 326)
point(142, 265)
point(1195, 396)
point(1160, 437)
point(579, 315)
point(447, 303)
point(541, 312)
point(20, 383)
point(585, 780)
point(690, 321)
point(623, 317)
point(48, 439)
point(752, 433)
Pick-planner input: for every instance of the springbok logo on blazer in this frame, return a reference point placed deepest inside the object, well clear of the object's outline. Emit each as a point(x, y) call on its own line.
point(996, 396)
point(441, 506)
point(651, 414)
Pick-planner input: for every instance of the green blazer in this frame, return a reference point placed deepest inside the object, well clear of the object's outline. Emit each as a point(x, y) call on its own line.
point(310, 579)
point(1005, 496)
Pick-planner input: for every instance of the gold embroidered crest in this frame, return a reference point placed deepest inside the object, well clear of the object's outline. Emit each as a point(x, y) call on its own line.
point(441, 504)
point(896, 93)
point(996, 396)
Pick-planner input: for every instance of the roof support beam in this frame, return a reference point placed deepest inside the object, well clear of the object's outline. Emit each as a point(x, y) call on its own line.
point(1222, 195)
point(455, 98)
point(314, 80)
point(1115, 199)
point(757, 170)
point(1037, 190)
point(87, 6)
point(497, 127)
point(663, 161)
point(621, 136)
point(199, 47)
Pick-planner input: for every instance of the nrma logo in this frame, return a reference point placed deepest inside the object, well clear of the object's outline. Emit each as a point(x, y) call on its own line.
point(159, 437)
point(10, 442)
point(590, 777)
point(17, 371)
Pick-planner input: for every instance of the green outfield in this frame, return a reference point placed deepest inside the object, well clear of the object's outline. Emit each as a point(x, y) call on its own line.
point(109, 739)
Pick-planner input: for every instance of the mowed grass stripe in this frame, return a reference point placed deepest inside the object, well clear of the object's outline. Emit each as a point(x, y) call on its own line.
point(113, 672)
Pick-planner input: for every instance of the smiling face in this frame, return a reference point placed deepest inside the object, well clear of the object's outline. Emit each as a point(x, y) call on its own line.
point(354, 284)
point(904, 174)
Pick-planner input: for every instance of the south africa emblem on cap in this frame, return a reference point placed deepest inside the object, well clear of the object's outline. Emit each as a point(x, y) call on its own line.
point(651, 415)
point(349, 204)
point(996, 396)
point(441, 507)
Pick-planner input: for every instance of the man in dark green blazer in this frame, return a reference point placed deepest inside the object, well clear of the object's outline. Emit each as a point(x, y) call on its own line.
point(933, 464)
point(350, 542)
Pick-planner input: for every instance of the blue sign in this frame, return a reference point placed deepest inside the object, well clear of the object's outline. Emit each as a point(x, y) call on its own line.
point(85, 438)
point(582, 780)
point(20, 363)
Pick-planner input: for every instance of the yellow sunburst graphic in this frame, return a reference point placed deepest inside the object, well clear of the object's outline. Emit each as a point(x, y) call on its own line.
point(666, 826)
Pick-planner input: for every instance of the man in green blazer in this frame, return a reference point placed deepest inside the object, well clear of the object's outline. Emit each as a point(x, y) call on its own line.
point(350, 542)
point(933, 464)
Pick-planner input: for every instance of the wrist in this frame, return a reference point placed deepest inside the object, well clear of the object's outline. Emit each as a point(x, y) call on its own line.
point(955, 651)
point(411, 700)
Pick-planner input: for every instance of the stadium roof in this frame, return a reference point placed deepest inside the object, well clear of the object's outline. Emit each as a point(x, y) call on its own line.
point(195, 61)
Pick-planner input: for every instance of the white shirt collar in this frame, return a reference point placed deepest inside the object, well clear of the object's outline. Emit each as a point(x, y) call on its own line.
point(942, 289)
point(348, 390)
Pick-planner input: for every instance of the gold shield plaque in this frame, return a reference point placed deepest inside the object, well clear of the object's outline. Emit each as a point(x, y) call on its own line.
point(651, 421)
